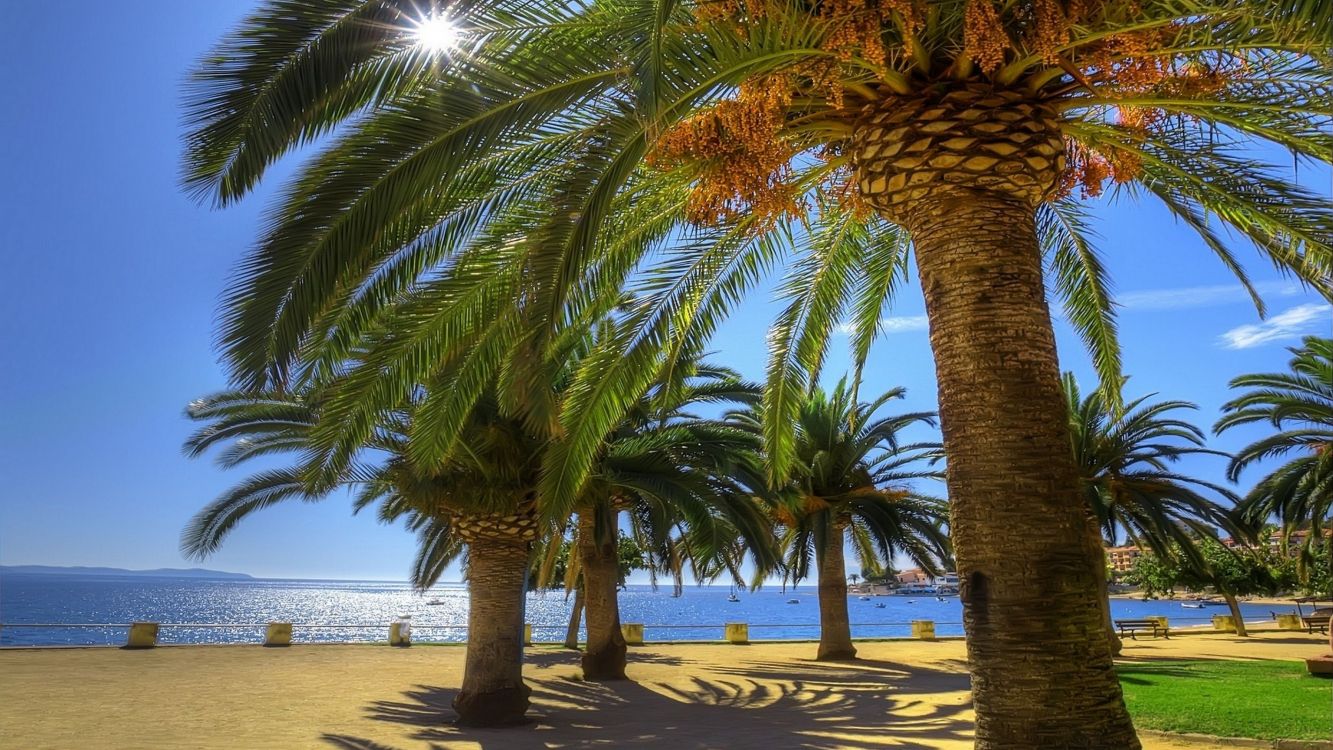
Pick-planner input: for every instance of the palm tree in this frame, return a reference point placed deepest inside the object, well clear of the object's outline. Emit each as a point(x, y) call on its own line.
point(971, 130)
point(1125, 459)
point(1299, 405)
point(848, 485)
point(675, 469)
point(671, 470)
point(481, 501)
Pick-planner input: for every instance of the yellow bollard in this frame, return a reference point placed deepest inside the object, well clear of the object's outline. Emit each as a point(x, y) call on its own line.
point(633, 632)
point(1289, 622)
point(527, 634)
point(1161, 621)
point(1224, 623)
point(142, 635)
point(923, 629)
point(738, 633)
point(400, 634)
point(278, 634)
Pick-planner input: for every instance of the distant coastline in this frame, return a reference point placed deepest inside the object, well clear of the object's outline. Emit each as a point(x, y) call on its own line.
point(79, 570)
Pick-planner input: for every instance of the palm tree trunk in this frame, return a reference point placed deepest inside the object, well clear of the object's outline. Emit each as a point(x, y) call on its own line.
point(572, 632)
point(493, 692)
point(835, 629)
point(1234, 606)
point(1042, 674)
point(1112, 637)
point(604, 658)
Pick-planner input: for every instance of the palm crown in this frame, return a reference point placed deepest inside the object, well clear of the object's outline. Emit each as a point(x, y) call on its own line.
point(1127, 461)
point(518, 162)
point(1299, 405)
point(853, 477)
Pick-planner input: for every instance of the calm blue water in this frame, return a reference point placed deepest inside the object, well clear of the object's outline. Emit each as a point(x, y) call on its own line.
point(361, 611)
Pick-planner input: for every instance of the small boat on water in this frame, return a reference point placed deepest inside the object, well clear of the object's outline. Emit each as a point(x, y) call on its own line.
point(879, 605)
point(793, 601)
point(733, 598)
point(864, 598)
point(436, 602)
point(1192, 605)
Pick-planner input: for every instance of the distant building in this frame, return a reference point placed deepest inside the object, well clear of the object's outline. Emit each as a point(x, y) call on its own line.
point(916, 578)
point(914, 575)
point(1295, 540)
point(1122, 558)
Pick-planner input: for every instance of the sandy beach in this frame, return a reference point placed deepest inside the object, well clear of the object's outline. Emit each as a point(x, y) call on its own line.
point(902, 694)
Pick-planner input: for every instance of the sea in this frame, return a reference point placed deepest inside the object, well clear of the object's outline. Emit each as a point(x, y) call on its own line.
point(66, 610)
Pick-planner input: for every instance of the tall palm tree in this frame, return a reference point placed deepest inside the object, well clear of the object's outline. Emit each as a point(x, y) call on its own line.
point(1126, 461)
point(972, 130)
point(849, 483)
point(1299, 405)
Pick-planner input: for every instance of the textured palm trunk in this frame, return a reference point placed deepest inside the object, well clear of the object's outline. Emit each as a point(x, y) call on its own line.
point(1234, 606)
point(1041, 665)
point(1112, 637)
point(572, 632)
point(835, 629)
point(493, 692)
point(604, 658)
point(964, 168)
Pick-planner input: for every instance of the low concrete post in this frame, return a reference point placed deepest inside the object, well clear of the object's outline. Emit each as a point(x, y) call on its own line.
point(738, 633)
point(1289, 622)
point(1161, 621)
point(1224, 623)
point(527, 634)
point(400, 634)
point(633, 633)
point(278, 634)
point(923, 630)
point(142, 635)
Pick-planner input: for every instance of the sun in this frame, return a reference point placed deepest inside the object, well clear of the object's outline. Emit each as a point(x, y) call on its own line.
point(436, 33)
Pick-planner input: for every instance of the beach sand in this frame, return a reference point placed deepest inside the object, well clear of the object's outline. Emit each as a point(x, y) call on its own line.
point(902, 694)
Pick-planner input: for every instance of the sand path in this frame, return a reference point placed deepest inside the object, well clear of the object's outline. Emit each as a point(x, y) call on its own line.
point(903, 694)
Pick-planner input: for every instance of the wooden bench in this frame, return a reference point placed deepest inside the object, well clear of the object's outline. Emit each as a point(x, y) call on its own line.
point(1315, 622)
point(1131, 627)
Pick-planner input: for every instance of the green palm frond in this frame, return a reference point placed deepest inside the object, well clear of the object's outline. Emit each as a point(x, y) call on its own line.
point(1298, 404)
point(1126, 457)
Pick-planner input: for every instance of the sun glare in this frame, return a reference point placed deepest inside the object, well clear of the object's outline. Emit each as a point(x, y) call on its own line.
point(436, 33)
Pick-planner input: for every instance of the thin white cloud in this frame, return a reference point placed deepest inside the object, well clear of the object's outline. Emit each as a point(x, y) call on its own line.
point(1201, 296)
point(1285, 325)
point(896, 324)
point(1145, 300)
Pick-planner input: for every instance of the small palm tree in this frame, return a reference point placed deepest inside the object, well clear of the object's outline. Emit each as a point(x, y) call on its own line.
point(849, 485)
point(1125, 459)
point(1299, 405)
point(670, 470)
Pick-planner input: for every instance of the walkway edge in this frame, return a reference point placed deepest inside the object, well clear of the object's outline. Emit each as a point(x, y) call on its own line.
point(1240, 741)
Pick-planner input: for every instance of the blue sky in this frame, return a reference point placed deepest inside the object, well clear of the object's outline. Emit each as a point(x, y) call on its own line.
point(111, 277)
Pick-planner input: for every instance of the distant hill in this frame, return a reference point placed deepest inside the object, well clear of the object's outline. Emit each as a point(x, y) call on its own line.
point(62, 570)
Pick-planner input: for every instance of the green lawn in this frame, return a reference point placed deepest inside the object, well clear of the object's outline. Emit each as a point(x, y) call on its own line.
point(1267, 700)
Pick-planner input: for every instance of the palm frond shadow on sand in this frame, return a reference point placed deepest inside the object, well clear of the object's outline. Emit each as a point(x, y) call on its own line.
point(761, 705)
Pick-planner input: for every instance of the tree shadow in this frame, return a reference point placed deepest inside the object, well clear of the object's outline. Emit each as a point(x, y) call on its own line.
point(760, 705)
point(572, 658)
point(1143, 672)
